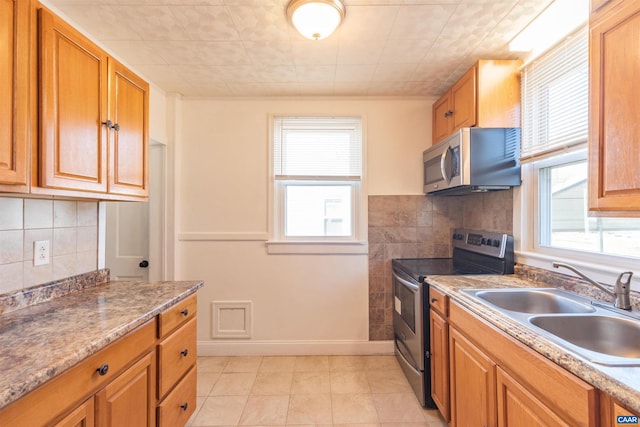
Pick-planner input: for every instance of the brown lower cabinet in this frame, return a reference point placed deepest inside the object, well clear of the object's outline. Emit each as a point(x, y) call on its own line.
point(518, 407)
point(494, 380)
point(439, 340)
point(119, 385)
point(473, 383)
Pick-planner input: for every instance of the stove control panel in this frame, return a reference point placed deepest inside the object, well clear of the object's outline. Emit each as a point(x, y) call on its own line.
point(485, 242)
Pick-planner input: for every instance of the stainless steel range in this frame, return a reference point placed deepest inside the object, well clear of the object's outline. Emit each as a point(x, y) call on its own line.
point(474, 252)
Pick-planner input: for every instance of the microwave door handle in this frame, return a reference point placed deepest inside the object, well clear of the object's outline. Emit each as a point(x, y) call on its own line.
point(443, 165)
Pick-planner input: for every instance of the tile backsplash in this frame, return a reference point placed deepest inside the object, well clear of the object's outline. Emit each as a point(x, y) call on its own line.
point(71, 227)
point(421, 227)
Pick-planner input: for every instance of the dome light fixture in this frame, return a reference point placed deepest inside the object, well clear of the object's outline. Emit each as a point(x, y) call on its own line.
point(316, 19)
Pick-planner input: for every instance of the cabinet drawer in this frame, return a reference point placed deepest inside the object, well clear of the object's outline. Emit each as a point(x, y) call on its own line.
point(180, 404)
point(177, 315)
point(176, 354)
point(439, 301)
point(54, 398)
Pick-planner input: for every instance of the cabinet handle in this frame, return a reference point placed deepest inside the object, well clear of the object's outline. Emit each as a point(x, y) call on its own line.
point(185, 312)
point(185, 352)
point(111, 125)
point(434, 299)
point(102, 370)
point(184, 406)
point(448, 113)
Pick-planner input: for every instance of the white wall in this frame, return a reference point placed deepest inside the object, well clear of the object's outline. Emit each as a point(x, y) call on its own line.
point(157, 115)
point(300, 302)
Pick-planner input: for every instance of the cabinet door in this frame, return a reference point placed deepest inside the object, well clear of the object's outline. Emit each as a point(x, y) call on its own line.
point(473, 384)
point(129, 401)
point(614, 120)
point(14, 76)
point(519, 408)
point(439, 340)
point(129, 137)
point(442, 122)
point(463, 100)
point(619, 411)
point(72, 149)
point(83, 416)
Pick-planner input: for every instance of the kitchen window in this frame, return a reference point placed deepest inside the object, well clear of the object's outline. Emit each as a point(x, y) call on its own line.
point(317, 184)
point(553, 198)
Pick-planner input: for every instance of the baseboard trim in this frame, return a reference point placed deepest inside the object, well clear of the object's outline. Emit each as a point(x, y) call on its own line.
point(292, 348)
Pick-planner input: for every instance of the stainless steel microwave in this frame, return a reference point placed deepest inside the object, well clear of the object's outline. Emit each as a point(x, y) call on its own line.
point(473, 160)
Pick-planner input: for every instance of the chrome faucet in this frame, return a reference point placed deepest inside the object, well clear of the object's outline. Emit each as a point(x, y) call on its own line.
point(622, 291)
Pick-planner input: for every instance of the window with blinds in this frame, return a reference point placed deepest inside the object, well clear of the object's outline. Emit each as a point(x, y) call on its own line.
point(317, 170)
point(319, 148)
point(555, 98)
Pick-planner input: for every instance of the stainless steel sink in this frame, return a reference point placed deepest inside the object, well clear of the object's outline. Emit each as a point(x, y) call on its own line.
point(593, 330)
point(614, 336)
point(533, 301)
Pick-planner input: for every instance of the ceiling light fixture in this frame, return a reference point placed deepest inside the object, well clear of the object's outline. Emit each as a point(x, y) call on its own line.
point(316, 19)
point(554, 23)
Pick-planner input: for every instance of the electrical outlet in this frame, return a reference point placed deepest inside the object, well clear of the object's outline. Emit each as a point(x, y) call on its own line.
point(41, 252)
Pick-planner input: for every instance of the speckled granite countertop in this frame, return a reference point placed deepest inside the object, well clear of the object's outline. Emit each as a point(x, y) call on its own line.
point(623, 383)
point(42, 340)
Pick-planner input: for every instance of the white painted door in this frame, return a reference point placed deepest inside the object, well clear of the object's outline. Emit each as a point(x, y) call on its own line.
point(127, 237)
point(127, 245)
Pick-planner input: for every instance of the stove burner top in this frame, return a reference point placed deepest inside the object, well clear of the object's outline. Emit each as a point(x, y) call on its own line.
point(419, 268)
point(474, 252)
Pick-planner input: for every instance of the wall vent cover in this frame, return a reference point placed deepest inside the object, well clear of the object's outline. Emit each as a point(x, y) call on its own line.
point(231, 319)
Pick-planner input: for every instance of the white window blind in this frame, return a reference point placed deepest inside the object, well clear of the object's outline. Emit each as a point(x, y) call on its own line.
point(318, 148)
point(555, 95)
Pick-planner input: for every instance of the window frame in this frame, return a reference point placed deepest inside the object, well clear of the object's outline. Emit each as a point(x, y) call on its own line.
point(278, 243)
point(526, 219)
point(600, 266)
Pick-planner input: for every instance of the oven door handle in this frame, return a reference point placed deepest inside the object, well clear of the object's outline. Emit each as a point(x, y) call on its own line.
point(406, 283)
point(406, 353)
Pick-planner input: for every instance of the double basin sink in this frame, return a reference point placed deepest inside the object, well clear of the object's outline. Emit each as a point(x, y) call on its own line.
point(601, 334)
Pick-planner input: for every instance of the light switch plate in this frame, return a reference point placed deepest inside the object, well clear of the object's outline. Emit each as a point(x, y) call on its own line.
point(41, 252)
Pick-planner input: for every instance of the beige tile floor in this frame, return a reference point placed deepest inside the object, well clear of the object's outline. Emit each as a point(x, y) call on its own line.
point(307, 390)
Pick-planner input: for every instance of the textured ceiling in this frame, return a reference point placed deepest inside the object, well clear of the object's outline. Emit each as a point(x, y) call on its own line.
point(248, 48)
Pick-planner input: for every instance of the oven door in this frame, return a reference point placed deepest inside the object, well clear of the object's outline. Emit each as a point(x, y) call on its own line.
point(408, 319)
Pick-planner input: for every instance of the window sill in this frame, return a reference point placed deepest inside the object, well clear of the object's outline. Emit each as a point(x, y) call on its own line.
point(602, 268)
point(317, 248)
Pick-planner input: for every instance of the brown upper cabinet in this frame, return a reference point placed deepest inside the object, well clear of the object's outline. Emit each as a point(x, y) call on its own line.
point(597, 5)
point(128, 143)
point(93, 133)
point(14, 79)
point(73, 108)
point(614, 112)
point(487, 95)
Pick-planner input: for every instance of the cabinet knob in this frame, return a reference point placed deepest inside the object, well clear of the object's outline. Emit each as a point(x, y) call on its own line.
point(143, 264)
point(102, 370)
point(434, 299)
point(184, 406)
point(185, 352)
point(111, 125)
point(185, 312)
